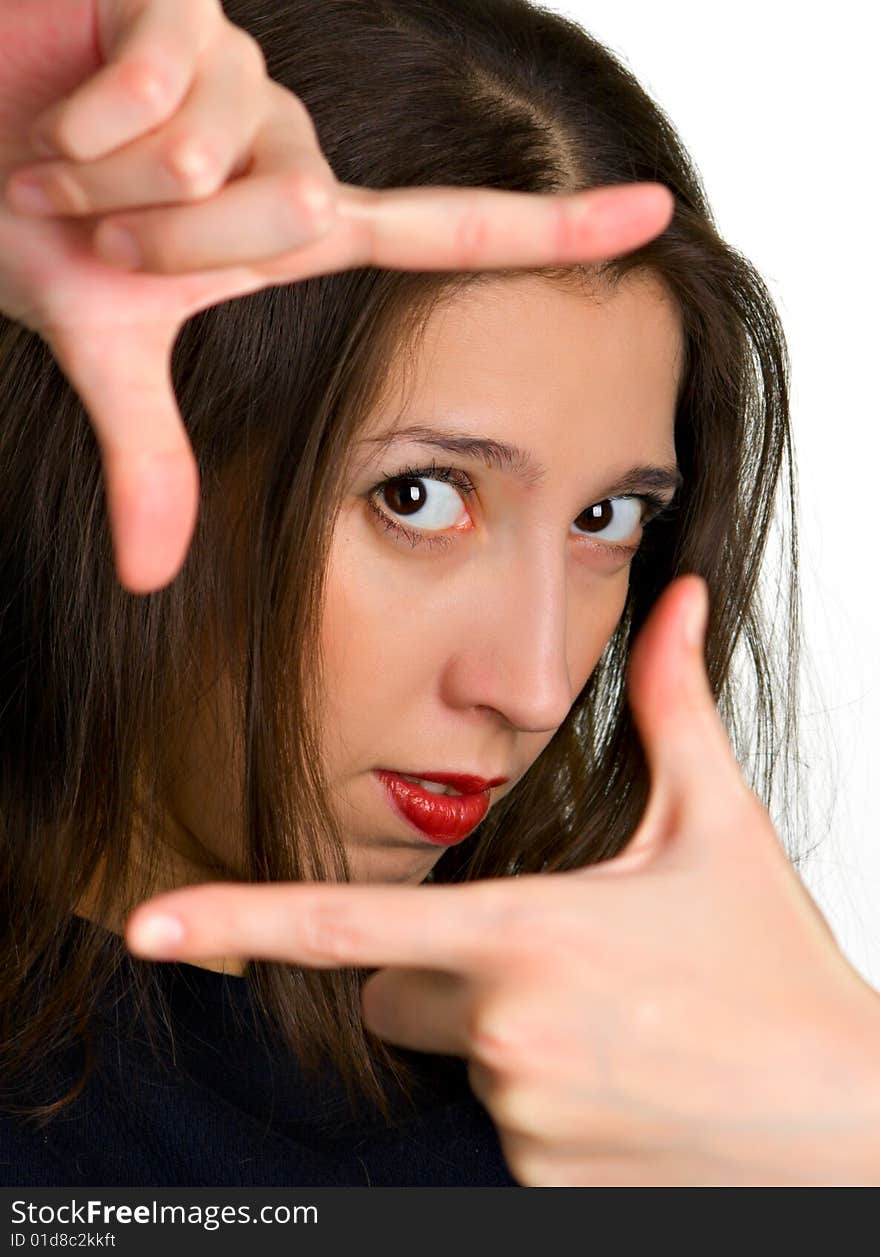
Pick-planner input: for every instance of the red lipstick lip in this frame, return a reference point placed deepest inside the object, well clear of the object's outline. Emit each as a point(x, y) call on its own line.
point(442, 819)
point(466, 783)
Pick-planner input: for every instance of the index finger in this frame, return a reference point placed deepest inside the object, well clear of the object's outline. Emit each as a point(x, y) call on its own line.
point(440, 228)
point(458, 229)
point(326, 926)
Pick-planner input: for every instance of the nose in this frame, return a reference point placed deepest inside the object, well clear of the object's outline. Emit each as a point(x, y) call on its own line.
point(512, 655)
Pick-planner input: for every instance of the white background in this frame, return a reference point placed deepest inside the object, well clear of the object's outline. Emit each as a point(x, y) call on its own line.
point(776, 105)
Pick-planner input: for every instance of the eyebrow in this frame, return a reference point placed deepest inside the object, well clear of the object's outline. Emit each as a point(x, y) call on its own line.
point(501, 456)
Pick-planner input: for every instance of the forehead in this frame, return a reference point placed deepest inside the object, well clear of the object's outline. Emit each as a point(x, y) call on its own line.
point(545, 363)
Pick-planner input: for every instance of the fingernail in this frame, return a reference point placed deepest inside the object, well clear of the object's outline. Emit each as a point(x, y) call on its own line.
point(29, 195)
point(696, 619)
point(118, 246)
point(158, 934)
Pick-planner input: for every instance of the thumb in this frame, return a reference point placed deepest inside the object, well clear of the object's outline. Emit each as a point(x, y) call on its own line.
point(123, 376)
point(694, 776)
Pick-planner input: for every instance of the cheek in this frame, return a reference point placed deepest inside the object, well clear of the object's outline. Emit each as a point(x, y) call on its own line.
point(384, 620)
point(368, 636)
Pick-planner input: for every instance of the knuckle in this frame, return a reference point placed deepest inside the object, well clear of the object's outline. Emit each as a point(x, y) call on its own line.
point(306, 195)
point(471, 237)
point(251, 52)
point(499, 1036)
point(194, 168)
point(327, 933)
point(566, 232)
point(151, 83)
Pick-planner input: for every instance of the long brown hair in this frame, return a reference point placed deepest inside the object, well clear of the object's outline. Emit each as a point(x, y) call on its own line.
point(273, 388)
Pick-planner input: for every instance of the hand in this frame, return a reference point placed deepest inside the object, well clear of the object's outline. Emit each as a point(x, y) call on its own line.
point(177, 112)
point(680, 1014)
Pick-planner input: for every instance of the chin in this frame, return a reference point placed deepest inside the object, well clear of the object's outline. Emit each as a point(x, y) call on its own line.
point(391, 867)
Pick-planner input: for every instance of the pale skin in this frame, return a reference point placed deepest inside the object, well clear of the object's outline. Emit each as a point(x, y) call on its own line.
point(681, 1014)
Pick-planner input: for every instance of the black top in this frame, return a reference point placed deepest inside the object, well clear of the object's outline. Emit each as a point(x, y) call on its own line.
point(236, 1114)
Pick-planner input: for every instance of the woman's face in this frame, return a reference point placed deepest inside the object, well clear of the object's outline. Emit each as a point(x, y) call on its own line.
point(461, 646)
point(466, 655)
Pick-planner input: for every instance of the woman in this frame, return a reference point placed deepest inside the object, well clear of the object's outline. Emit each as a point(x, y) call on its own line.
point(354, 612)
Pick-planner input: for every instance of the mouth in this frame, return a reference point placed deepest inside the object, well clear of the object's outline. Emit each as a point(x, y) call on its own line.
point(442, 807)
point(457, 783)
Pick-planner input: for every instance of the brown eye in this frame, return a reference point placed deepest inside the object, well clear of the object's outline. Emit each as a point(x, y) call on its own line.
point(595, 518)
point(404, 496)
point(427, 502)
point(621, 515)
